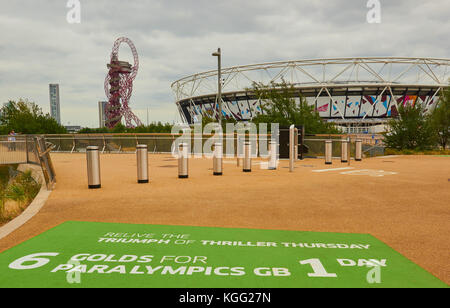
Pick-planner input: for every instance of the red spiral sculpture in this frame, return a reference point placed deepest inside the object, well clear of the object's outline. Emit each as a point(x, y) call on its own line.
point(119, 86)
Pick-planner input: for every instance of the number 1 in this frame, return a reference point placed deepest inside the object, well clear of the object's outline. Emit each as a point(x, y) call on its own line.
point(319, 270)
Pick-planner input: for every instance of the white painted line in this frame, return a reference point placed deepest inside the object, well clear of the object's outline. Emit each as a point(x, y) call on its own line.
point(368, 172)
point(335, 169)
point(388, 156)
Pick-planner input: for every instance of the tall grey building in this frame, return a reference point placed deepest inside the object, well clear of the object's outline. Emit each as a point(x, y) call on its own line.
point(102, 114)
point(54, 102)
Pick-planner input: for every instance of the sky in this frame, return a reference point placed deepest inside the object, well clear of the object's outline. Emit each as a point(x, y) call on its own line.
point(175, 38)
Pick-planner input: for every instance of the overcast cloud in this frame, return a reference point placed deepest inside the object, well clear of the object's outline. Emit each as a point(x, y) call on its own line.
point(175, 38)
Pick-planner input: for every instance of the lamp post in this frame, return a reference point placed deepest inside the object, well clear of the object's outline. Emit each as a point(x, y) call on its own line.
point(218, 54)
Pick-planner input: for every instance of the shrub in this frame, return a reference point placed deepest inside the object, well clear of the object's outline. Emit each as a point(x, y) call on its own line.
point(22, 189)
point(16, 192)
point(412, 130)
point(30, 186)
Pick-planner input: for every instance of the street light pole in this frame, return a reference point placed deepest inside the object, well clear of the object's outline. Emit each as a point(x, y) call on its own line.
point(218, 54)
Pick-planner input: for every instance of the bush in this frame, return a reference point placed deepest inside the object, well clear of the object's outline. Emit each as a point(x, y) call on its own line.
point(16, 192)
point(2, 200)
point(22, 189)
point(412, 130)
point(440, 119)
point(30, 186)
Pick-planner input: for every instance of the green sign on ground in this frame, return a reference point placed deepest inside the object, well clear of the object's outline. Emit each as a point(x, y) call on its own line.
point(86, 254)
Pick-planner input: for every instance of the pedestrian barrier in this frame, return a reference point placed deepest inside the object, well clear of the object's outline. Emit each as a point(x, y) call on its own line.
point(358, 152)
point(328, 152)
point(292, 144)
point(217, 159)
point(142, 163)
point(344, 150)
point(247, 165)
point(183, 161)
point(93, 167)
point(273, 155)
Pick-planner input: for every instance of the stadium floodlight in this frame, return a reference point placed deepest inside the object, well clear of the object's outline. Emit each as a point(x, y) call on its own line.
point(218, 54)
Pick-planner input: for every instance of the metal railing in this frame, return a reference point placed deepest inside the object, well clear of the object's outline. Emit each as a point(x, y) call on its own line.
point(27, 149)
point(111, 143)
point(12, 152)
point(126, 143)
point(314, 145)
point(163, 143)
point(20, 150)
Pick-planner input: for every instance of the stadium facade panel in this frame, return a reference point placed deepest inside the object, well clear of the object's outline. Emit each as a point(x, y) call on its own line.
point(348, 91)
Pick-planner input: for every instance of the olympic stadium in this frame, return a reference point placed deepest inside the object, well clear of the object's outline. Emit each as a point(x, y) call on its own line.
point(357, 94)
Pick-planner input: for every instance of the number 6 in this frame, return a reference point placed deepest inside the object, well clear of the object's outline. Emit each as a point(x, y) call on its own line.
point(38, 262)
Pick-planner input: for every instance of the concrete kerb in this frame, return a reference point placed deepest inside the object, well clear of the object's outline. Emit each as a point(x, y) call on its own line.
point(34, 207)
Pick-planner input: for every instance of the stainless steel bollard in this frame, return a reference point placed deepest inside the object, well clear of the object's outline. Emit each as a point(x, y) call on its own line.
point(183, 163)
point(291, 148)
point(272, 155)
point(296, 145)
point(142, 163)
point(239, 149)
point(328, 152)
point(93, 167)
point(217, 159)
point(358, 152)
point(344, 150)
point(247, 166)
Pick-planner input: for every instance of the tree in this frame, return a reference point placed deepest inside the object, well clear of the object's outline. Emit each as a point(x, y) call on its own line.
point(279, 105)
point(440, 118)
point(154, 127)
point(411, 130)
point(210, 117)
point(27, 118)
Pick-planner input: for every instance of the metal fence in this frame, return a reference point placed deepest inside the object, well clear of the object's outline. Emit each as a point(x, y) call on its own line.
point(28, 150)
point(12, 152)
point(314, 145)
point(158, 143)
point(18, 150)
point(126, 143)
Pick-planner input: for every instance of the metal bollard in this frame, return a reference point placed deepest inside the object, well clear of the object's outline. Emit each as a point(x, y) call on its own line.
point(183, 163)
point(247, 166)
point(344, 150)
point(142, 163)
point(358, 152)
point(273, 155)
point(217, 159)
point(238, 150)
point(296, 145)
point(291, 148)
point(328, 151)
point(93, 167)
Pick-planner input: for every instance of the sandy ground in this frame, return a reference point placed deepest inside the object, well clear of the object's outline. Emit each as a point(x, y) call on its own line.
point(409, 210)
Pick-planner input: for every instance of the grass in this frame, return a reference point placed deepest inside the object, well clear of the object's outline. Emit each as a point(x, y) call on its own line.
point(21, 189)
point(4, 173)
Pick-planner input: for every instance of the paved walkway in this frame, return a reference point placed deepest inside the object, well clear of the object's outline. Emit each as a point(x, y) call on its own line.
point(406, 205)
